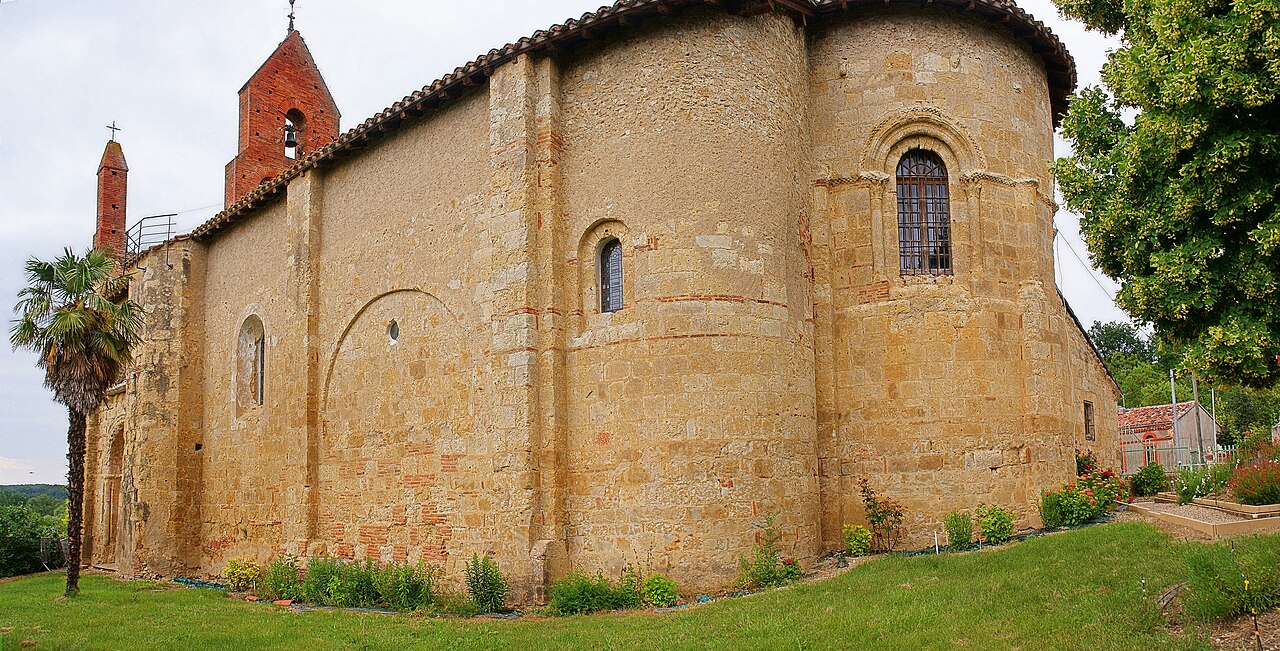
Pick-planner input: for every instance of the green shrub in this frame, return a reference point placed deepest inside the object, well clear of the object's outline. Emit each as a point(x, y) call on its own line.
point(321, 572)
point(1052, 510)
point(19, 541)
point(405, 587)
point(241, 575)
point(486, 585)
point(629, 591)
point(577, 594)
point(959, 527)
point(857, 540)
point(1217, 575)
point(281, 579)
point(766, 568)
point(884, 516)
point(1149, 480)
point(995, 523)
point(1257, 484)
point(356, 585)
point(659, 591)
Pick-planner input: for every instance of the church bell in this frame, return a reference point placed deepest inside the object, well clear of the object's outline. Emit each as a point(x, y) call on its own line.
point(290, 135)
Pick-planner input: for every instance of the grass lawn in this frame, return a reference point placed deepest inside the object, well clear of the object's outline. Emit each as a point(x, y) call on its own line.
point(1074, 590)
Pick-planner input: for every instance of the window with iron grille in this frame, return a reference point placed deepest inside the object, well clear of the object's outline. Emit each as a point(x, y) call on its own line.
point(1088, 421)
point(611, 276)
point(924, 215)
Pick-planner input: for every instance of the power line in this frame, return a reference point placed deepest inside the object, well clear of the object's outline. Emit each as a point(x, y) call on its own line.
point(1087, 267)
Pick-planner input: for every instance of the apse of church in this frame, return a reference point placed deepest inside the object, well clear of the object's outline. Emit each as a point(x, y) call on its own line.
point(595, 301)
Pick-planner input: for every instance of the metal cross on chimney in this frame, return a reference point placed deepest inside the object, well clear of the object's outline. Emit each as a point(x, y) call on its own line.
point(114, 129)
point(291, 16)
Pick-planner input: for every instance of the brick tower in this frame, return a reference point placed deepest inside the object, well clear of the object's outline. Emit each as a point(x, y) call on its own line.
point(286, 100)
point(113, 175)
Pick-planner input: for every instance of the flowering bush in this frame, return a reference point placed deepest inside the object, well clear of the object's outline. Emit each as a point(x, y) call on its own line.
point(1086, 462)
point(766, 568)
point(1190, 483)
point(1089, 497)
point(883, 514)
point(1257, 484)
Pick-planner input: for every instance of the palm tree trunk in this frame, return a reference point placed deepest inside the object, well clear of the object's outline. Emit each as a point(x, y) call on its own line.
point(75, 499)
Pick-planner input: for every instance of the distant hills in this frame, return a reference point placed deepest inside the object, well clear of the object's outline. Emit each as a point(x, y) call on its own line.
point(33, 490)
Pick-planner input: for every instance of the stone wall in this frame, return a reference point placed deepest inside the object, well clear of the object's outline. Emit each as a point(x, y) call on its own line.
point(441, 381)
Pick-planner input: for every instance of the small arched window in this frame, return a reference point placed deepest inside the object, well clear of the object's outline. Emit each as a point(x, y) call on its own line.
point(251, 364)
point(611, 276)
point(924, 215)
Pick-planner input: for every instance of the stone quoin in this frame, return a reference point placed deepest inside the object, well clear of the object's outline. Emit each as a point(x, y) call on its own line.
point(614, 294)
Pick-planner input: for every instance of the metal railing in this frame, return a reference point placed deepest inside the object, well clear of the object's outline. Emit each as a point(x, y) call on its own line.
point(146, 233)
point(1135, 454)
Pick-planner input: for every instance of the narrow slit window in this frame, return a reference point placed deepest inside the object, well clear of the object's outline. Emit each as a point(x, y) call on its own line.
point(611, 276)
point(924, 215)
point(260, 370)
point(1088, 421)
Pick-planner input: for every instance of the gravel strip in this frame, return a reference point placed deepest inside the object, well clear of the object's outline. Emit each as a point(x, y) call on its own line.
point(1201, 513)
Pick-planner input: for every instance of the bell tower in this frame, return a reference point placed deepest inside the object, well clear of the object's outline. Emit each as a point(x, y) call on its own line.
point(113, 182)
point(286, 113)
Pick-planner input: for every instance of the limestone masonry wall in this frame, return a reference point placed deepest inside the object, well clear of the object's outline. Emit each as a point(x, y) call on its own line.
point(404, 356)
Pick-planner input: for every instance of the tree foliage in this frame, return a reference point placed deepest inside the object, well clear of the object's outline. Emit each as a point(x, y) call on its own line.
point(1181, 203)
point(1143, 375)
point(83, 339)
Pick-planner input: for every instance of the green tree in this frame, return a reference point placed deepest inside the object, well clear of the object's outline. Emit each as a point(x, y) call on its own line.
point(1112, 338)
point(83, 340)
point(1181, 204)
point(43, 505)
point(10, 498)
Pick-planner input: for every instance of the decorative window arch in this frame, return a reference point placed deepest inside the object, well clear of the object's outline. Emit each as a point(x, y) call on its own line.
point(610, 275)
point(924, 215)
point(251, 364)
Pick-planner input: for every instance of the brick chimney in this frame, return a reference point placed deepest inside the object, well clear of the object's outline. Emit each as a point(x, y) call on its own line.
point(286, 95)
point(113, 174)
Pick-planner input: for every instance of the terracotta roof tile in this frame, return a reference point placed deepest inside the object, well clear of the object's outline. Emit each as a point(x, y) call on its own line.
point(1153, 415)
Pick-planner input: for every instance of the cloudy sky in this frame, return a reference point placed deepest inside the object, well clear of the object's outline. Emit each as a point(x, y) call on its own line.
point(167, 73)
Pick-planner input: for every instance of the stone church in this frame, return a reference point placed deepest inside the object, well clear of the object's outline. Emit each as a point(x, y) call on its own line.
point(613, 293)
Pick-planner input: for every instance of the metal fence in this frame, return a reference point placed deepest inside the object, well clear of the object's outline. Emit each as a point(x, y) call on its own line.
point(1135, 454)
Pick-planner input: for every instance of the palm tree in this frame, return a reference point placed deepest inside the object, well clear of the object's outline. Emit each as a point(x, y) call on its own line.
point(67, 316)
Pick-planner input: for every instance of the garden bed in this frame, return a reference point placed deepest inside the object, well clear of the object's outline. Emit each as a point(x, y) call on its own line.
point(1206, 518)
point(1242, 510)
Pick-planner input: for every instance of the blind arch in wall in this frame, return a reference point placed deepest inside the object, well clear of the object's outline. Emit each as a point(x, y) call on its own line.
point(924, 215)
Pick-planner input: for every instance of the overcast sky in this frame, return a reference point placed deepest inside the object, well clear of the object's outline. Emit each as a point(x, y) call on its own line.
point(167, 73)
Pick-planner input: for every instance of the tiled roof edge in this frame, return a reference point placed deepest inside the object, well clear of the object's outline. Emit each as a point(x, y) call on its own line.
point(1058, 64)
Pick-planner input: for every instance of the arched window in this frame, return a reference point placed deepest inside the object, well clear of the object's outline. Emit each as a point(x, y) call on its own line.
point(924, 214)
point(611, 276)
point(251, 364)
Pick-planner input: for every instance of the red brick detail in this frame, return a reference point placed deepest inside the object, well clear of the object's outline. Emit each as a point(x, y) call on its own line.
point(877, 291)
point(374, 535)
point(113, 175)
point(289, 79)
point(449, 462)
